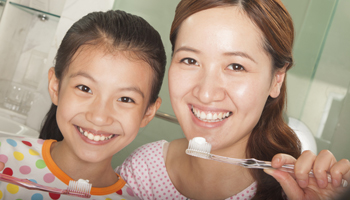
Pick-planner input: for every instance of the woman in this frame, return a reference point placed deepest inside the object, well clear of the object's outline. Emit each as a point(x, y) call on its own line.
point(227, 84)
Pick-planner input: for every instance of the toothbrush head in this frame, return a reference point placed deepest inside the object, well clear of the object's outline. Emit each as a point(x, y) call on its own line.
point(80, 188)
point(198, 147)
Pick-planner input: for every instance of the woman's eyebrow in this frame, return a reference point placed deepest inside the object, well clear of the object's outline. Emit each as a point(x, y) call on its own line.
point(233, 53)
point(186, 48)
point(240, 54)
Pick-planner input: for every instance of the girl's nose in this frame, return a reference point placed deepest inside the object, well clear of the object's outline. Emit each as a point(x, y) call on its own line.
point(99, 113)
point(209, 87)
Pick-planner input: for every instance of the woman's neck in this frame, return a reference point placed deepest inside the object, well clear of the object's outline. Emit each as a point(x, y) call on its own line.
point(199, 178)
point(100, 174)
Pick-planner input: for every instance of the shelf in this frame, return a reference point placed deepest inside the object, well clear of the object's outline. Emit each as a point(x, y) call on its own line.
point(33, 10)
point(2, 2)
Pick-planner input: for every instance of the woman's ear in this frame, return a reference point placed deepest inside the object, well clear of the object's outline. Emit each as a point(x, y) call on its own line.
point(53, 86)
point(278, 81)
point(151, 112)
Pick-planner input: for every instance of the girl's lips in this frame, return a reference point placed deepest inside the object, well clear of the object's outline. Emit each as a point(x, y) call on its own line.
point(93, 138)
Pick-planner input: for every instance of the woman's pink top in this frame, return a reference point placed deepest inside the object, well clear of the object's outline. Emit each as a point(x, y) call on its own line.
point(144, 170)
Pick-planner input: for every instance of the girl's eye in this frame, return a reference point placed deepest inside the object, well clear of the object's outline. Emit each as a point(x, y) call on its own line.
point(126, 100)
point(84, 88)
point(236, 67)
point(189, 61)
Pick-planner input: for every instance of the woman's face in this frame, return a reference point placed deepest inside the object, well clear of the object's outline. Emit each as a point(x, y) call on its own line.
point(220, 77)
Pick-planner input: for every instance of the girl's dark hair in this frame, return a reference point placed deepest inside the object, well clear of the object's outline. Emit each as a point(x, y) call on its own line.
point(271, 135)
point(117, 31)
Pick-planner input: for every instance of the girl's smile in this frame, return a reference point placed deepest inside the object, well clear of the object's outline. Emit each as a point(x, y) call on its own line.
point(102, 101)
point(95, 137)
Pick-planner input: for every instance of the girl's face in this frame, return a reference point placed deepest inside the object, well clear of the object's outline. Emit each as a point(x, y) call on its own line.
point(220, 77)
point(101, 102)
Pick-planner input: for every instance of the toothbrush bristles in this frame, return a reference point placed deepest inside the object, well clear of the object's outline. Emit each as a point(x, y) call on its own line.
point(198, 147)
point(79, 187)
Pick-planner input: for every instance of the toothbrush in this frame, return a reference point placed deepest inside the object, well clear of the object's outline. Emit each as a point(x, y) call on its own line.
point(80, 188)
point(198, 147)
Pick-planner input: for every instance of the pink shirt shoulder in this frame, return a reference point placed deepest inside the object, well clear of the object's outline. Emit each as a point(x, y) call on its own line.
point(144, 170)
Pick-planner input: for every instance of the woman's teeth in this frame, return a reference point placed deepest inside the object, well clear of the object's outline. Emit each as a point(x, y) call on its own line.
point(94, 137)
point(210, 116)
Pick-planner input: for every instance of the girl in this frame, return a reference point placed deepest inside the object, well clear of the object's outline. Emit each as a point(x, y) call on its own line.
point(104, 87)
point(227, 84)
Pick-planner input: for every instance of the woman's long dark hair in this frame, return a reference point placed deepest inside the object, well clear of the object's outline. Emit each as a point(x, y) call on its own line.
point(117, 31)
point(271, 135)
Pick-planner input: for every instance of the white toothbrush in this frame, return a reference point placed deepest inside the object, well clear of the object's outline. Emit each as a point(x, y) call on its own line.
point(198, 147)
point(80, 188)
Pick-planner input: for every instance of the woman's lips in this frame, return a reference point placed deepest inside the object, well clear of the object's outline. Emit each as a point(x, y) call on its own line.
point(210, 116)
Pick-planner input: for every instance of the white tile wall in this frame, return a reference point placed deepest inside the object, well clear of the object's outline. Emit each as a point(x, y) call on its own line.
point(23, 35)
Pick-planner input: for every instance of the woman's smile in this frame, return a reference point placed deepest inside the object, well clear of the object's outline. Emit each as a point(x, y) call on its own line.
point(210, 116)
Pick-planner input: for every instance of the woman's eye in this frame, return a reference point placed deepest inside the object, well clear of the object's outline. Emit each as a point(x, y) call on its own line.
point(84, 88)
point(236, 67)
point(126, 100)
point(189, 61)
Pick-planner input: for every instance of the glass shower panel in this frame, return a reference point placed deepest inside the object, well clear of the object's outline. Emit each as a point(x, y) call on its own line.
point(319, 83)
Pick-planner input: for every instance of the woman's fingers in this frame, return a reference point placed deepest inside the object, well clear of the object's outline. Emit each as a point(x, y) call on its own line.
point(281, 159)
point(323, 163)
point(340, 171)
point(303, 166)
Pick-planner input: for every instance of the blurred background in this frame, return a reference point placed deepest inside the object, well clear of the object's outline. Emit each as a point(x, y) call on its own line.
point(318, 106)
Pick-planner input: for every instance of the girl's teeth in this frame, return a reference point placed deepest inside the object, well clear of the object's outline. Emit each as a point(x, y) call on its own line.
point(203, 115)
point(93, 137)
point(97, 138)
point(90, 136)
point(220, 115)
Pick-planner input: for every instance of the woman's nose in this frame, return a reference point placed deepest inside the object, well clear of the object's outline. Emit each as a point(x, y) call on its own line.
point(209, 87)
point(99, 113)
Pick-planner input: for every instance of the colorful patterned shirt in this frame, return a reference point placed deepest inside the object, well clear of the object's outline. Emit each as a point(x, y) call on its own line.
point(29, 158)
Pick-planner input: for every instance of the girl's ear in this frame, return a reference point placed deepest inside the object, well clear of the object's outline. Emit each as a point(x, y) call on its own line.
point(278, 81)
point(151, 112)
point(53, 86)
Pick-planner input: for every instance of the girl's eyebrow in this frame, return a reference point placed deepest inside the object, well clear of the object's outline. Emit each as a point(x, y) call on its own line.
point(135, 89)
point(80, 73)
point(233, 53)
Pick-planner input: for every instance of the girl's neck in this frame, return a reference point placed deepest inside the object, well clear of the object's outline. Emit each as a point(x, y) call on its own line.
point(204, 179)
point(100, 174)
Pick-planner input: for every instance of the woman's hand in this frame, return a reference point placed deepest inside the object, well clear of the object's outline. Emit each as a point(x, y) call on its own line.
point(299, 186)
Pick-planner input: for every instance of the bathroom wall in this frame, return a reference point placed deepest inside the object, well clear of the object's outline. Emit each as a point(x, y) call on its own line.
point(27, 51)
point(318, 84)
point(25, 41)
